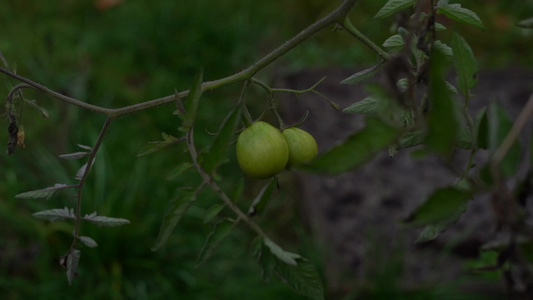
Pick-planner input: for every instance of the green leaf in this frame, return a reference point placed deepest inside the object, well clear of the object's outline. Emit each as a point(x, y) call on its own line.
point(527, 23)
point(393, 6)
point(73, 259)
point(458, 13)
point(500, 125)
point(217, 152)
point(261, 200)
point(368, 106)
point(178, 208)
point(215, 237)
point(178, 170)
point(395, 42)
point(465, 64)
point(213, 211)
point(451, 88)
point(464, 138)
point(74, 156)
point(191, 105)
point(443, 48)
point(44, 193)
point(105, 221)
point(87, 241)
point(432, 231)
point(412, 139)
point(364, 75)
point(302, 276)
point(439, 27)
point(56, 214)
point(441, 138)
point(286, 257)
point(356, 150)
point(442, 205)
point(153, 147)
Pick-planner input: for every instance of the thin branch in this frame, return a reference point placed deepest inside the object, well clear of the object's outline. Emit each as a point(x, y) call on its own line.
point(57, 95)
point(214, 186)
point(346, 24)
point(83, 178)
point(335, 16)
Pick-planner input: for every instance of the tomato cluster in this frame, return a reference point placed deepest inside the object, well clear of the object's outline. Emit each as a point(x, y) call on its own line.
point(264, 151)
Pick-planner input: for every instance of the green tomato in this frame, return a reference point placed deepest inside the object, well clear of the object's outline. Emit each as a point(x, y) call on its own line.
point(302, 146)
point(262, 151)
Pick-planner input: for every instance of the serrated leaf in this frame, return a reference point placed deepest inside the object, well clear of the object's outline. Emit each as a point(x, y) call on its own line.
point(213, 211)
point(178, 208)
point(412, 139)
point(81, 172)
point(527, 23)
point(432, 231)
point(286, 257)
point(440, 206)
point(191, 104)
point(178, 170)
point(364, 75)
point(153, 147)
point(441, 139)
point(73, 156)
point(219, 233)
point(105, 221)
point(43, 193)
point(302, 277)
point(356, 150)
point(261, 200)
point(395, 42)
point(56, 214)
point(87, 241)
point(73, 260)
point(393, 6)
point(461, 14)
point(465, 64)
point(217, 151)
point(368, 106)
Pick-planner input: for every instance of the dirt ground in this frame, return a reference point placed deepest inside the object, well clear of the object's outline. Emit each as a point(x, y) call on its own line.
point(357, 215)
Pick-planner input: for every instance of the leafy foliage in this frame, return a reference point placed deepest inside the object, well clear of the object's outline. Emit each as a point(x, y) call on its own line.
point(356, 150)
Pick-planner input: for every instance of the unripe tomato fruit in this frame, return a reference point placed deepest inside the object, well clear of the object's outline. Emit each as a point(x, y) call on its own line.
point(302, 146)
point(262, 151)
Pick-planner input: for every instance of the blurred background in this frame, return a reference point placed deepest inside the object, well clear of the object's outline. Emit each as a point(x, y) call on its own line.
point(114, 53)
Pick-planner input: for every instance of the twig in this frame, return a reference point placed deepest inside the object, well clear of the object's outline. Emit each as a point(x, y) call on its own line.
point(81, 184)
point(335, 16)
point(346, 24)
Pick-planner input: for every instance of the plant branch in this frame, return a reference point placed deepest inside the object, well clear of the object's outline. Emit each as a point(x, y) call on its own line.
point(346, 24)
point(83, 178)
point(214, 186)
point(335, 16)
